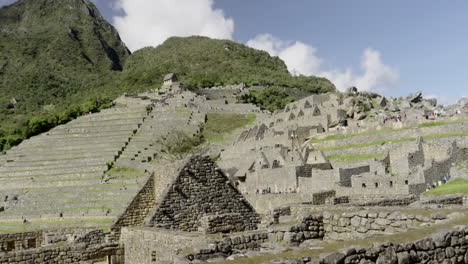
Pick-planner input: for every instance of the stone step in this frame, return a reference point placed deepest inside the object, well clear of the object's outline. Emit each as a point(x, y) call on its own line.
point(71, 148)
point(84, 132)
point(98, 129)
point(115, 121)
point(109, 155)
point(53, 171)
point(55, 162)
point(17, 225)
point(110, 116)
point(83, 211)
point(77, 193)
point(73, 184)
point(44, 137)
point(69, 145)
point(11, 167)
point(64, 205)
point(63, 153)
point(38, 179)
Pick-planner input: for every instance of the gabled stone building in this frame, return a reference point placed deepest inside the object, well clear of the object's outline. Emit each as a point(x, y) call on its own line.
point(198, 197)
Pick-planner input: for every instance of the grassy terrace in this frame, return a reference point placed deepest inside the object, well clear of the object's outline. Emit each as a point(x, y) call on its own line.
point(452, 187)
point(69, 158)
point(13, 226)
point(356, 157)
point(68, 209)
point(428, 124)
point(328, 247)
point(383, 142)
point(40, 168)
point(123, 170)
point(83, 186)
point(225, 123)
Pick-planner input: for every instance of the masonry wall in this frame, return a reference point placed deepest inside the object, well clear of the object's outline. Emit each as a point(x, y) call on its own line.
point(138, 209)
point(146, 245)
point(362, 224)
point(347, 173)
point(263, 203)
point(444, 247)
point(76, 253)
point(201, 190)
point(277, 180)
point(20, 241)
point(309, 227)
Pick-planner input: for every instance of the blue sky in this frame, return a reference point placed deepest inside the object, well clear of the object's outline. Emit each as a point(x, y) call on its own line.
point(395, 47)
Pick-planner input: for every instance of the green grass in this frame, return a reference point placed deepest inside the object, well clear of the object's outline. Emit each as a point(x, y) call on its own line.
point(444, 135)
point(69, 209)
point(367, 144)
point(219, 124)
point(372, 132)
point(462, 165)
point(356, 157)
point(123, 170)
point(20, 223)
point(383, 142)
point(81, 186)
point(38, 225)
point(451, 187)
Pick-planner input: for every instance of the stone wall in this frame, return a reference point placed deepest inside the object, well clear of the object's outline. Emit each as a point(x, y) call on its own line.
point(347, 173)
point(322, 197)
point(20, 241)
point(75, 253)
point(310, 227)
point(443, 247)
point(92, 238)
point(230, 244)
point(446, 200)
point(146, 245)
point(138, 209)
point(200, 193)
point(362, 224)
point(264, 203)
point(374, 201)
point(69, 235)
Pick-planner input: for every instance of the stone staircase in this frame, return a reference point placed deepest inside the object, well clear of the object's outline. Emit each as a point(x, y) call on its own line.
point(159, 125)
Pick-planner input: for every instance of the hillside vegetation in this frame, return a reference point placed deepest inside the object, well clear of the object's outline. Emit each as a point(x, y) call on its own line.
point(60, 59)
point(57, 60)
point(204, 62)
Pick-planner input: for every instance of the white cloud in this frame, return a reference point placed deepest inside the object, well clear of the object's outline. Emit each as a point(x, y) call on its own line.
point(299, 57)
point(151, 22)
point(302, 59)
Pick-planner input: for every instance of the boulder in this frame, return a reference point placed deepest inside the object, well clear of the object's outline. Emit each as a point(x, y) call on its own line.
point(416, 97)
point(352, 90)
point(389, 256)
point(335, 258)
point(432, 102)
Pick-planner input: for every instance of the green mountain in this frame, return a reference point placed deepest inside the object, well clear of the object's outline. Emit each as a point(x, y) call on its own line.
point(204, 62)
point(59, 59)
point(54, 55)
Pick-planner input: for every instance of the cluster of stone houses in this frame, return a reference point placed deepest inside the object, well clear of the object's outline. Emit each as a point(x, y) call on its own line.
point(274, 157)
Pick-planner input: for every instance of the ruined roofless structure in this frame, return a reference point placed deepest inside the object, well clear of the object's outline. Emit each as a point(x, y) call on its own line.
point(170, 79)
point(274, 157)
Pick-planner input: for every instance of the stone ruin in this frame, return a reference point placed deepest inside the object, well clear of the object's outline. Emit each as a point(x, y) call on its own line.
point(275, 157)
point(259, 192)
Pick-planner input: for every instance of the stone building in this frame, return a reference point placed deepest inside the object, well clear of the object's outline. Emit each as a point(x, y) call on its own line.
point(170, 79)
point(202, 198)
